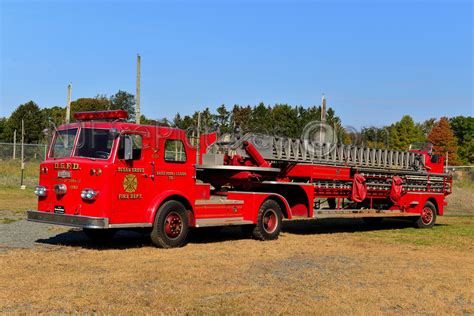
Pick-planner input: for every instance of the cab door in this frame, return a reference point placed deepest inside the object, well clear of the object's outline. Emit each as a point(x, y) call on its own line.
point(175, 170)
point(133, 179)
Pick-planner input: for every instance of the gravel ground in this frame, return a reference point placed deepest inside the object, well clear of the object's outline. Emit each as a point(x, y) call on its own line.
point(24, 234)
point(17, 232)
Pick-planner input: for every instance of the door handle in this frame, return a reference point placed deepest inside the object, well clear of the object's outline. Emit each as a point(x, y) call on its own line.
point(152, 170)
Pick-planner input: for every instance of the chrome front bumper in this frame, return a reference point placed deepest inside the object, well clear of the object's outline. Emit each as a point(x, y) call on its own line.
point(68, 220)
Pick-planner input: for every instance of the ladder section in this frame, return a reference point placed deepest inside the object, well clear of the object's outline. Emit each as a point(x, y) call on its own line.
point(280, 149)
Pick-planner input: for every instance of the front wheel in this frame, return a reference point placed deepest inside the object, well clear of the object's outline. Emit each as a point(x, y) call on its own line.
point(171, 226)
point(269, 221)
point(428, 216)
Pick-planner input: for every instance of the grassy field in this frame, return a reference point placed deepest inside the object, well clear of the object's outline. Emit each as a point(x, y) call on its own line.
point(315, 267)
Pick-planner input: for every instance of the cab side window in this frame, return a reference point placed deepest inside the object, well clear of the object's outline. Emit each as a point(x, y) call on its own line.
point(174, 151)
point(136, 146)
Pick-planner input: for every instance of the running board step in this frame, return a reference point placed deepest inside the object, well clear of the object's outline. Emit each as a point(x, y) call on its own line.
point(360, 213)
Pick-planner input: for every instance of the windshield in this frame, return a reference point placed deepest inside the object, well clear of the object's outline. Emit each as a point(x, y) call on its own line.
point(423, 146)
point(94, 143)
point(63, 143)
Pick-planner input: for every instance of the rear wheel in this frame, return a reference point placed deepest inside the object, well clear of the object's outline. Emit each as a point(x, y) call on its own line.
point(171, 226)
point(269, 221)
point(428, 216)
point(99, 234)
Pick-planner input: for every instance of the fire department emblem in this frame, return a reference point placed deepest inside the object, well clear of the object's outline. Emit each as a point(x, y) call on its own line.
point(130, 183)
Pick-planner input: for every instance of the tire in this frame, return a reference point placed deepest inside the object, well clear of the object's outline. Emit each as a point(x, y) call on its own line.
point(99, 235)
point(171, 226)
point(372, 221)
point(428, 216)
point(269, 221)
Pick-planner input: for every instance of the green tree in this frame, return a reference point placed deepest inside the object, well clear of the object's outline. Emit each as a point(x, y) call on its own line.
point(426, 126)
point(240, 116)
point(123, 100)
point(261, 120)
point(53, 116)
point(3, 125)
point(284, 121)
point(375, 137)
point(89, 104)
point(222, 119)
point(463, 128)
point(444, 141)
point(404, 133)
point(178, 121)
point(33, 121)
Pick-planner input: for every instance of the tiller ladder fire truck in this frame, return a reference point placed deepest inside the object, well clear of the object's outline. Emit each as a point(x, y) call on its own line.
point(103, 174)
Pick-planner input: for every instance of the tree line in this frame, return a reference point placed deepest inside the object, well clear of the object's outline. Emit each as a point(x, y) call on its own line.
point(453, 135)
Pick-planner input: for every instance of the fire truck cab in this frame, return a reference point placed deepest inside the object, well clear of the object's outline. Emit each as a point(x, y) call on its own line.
point(103, 174)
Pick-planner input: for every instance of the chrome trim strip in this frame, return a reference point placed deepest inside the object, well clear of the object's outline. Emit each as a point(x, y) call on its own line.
point(237, 168)
point(132, 225)
point(288, 183)
point(68, 220)
point(424, 193)
point(222, 221)
point(218, 202)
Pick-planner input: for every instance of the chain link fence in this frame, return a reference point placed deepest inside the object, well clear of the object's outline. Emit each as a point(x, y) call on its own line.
point(32, 152)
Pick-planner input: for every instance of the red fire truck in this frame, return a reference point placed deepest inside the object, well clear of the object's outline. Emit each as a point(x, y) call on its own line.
point(104, 174)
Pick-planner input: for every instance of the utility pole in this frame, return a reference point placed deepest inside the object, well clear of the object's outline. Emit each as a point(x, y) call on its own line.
point(198, 139)
point(14, 144)
point(446, 163)
point(68, 105)
point(322, 130)
point(137, 109)
point(22, 186)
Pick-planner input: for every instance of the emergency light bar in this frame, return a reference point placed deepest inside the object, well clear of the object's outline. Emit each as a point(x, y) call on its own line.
point(101, 115)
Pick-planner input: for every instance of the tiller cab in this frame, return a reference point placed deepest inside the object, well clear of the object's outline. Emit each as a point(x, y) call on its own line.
point(103, 174)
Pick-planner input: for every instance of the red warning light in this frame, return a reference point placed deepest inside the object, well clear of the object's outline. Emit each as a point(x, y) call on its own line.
point(101, 115)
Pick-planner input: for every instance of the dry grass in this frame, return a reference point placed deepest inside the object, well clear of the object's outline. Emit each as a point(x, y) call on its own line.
point(311, 272)
point(17, 200)
point(10, 173)
point(314, 268)
point(460, 201)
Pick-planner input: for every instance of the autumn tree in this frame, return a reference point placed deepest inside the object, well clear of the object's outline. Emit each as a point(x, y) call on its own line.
point(443, 140)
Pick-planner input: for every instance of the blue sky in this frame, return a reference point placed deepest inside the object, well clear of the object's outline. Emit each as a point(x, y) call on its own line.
point(374, 60)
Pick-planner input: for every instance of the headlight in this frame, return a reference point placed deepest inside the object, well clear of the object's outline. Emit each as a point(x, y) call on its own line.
point(88, 194)
point(60, 189)
point(40, 190)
